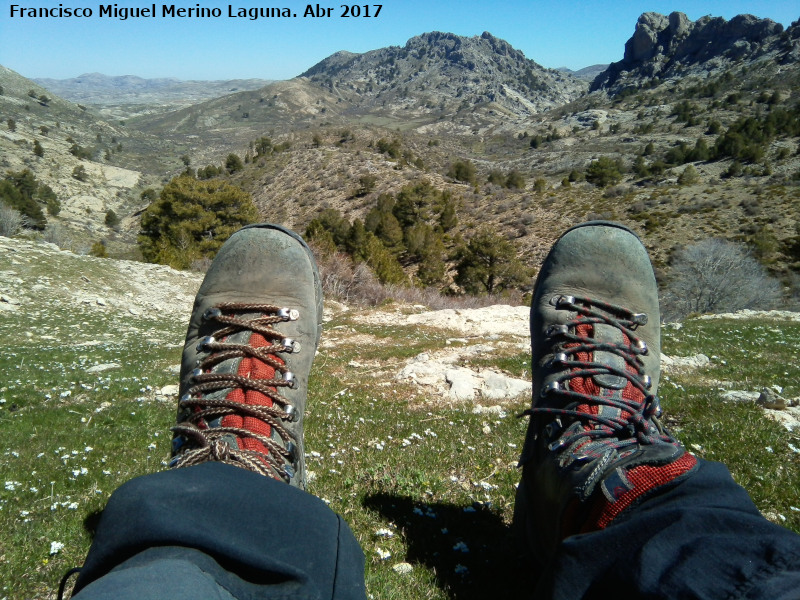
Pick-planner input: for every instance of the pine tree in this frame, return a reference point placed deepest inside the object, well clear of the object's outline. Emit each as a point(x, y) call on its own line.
point(488, 264)
point(191, 219)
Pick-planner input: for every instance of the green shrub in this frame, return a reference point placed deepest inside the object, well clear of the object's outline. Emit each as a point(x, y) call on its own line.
point(604, 171)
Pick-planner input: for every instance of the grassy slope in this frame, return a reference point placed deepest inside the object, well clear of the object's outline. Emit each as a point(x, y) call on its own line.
point(386, 456)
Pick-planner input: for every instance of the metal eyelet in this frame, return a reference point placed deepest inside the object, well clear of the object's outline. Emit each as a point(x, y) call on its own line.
point(639, 319)
point(288, 314)
point(177, 443)
point(648, 381)
point(550, 387)
point(288, 377)
point(184, 399)
point(290, 345)
point(559, 300)
point(212, 313)
point(559, 359)
point(292, 450)
point(291, 412)
point(556, 330)
point(642, 345)
point(289, 471)
point(201, 345)
point(196, 373)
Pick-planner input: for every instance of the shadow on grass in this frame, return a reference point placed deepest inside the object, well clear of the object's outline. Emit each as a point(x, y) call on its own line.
point(437, 535)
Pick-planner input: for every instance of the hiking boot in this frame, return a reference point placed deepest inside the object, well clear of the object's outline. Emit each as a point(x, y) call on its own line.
point(252, 336)
point(594, 446)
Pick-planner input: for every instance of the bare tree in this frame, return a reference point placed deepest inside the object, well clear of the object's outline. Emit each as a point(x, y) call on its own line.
point(716, 276)
point(57, 234)
point(11, 221)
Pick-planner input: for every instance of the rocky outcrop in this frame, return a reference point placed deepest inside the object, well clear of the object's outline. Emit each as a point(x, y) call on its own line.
point(667, 46)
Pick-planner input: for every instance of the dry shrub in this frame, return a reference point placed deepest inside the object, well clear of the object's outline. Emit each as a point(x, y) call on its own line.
point(11, 221)
point(354, 283)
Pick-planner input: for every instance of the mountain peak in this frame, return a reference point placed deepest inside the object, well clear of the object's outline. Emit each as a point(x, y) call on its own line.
point(448, 73)
point(664, 45)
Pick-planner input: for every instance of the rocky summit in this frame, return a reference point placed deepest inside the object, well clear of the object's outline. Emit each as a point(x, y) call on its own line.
point(446, 73)
point(673, 46)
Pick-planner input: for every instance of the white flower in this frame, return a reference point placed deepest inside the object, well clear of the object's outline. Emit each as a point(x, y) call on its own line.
point(56, 547)
point(386, 533)
point(382, 554)
point(12, 485)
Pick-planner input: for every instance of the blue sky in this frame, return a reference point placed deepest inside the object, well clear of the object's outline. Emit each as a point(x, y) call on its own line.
point(553, 33)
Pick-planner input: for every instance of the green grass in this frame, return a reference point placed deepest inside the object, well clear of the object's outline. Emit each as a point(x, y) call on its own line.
point(389, 458)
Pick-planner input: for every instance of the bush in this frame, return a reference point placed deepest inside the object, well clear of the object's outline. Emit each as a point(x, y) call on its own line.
point(112, 220)
point(233, 163)
point(57, 234)
point(19, 190)
point(688, 176)
point(462, 170)
point(393, 148)
point(80, 173)
point(80, 152)
point(99, 250)
point(366, 183)
point(11, 221)
point(714, 276)
point(515, 180)
point(604, 171)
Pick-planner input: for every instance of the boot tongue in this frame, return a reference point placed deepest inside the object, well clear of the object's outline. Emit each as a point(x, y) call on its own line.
point(608, 334)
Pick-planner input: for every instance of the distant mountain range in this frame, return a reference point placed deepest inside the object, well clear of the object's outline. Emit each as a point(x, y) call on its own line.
point(96, 88)
point(586, 73)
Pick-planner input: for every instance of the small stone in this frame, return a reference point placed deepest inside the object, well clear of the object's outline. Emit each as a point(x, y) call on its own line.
point(402, 568)
point(103, 367)
point(770, 399)
point(740, 396)
point(169, 390)
point(101, 302)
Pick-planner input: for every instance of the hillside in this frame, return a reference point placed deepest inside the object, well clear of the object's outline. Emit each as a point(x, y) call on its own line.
point(411, 433)
point(117, 162)
point(705, 142)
